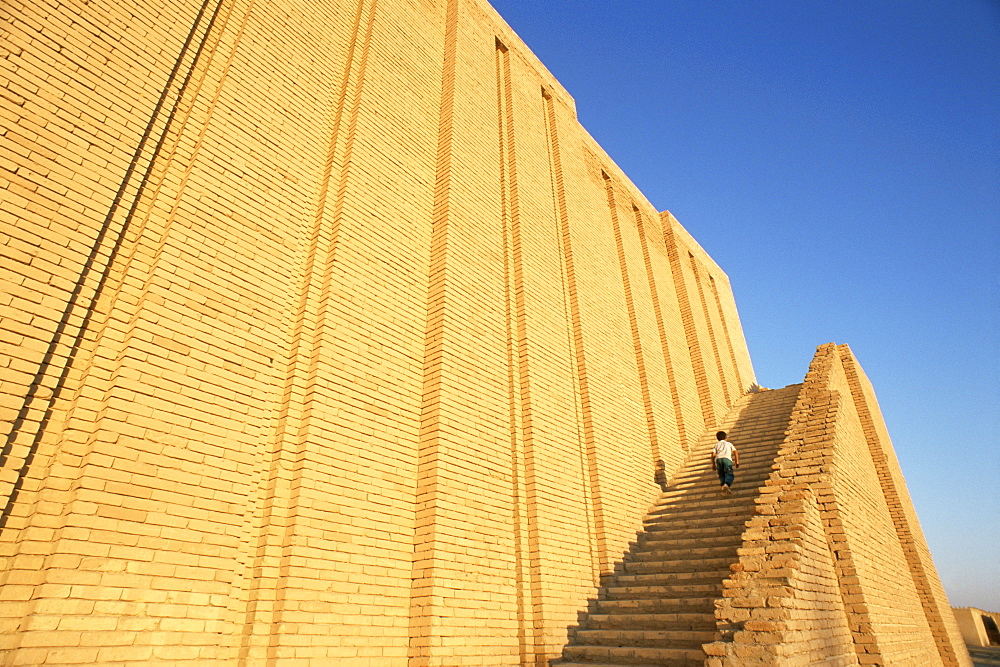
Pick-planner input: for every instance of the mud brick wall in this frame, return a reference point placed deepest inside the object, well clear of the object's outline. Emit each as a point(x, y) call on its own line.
point(972, 624)
point(326, 334)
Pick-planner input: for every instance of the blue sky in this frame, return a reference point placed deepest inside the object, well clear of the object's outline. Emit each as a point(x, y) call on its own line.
point(840, 160)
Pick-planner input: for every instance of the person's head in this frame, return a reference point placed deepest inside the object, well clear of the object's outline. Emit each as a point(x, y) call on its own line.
point(721, 435)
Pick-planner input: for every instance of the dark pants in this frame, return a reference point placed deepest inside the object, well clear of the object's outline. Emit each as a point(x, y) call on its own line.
point(725, 469)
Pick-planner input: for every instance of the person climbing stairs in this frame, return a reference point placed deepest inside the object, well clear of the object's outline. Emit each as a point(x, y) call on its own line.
point(658, 607)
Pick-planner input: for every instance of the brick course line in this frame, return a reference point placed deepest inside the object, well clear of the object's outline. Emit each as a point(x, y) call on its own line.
point(48, 359)
point(591, 481)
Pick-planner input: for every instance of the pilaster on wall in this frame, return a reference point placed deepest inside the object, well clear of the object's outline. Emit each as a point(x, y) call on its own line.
point(721, 362)
point(640, 356)
point(593, 503)
point(678, 257)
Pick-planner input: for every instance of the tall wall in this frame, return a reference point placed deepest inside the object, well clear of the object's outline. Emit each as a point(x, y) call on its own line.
point(835, 569)
point(327, 333)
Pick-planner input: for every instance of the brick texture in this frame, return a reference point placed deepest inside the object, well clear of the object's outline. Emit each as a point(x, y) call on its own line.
point(329, 336)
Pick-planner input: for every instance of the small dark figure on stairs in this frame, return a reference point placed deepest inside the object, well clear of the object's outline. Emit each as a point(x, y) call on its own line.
point(724, 459)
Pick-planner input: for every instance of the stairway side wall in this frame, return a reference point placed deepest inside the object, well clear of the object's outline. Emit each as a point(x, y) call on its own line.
point(720, 360)
point(327, 331)
point(935, 605)
point(879, 567)
point(783, 602)
point(830, 460)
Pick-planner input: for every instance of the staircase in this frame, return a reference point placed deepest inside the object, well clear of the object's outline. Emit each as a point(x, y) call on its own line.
point(658, 608)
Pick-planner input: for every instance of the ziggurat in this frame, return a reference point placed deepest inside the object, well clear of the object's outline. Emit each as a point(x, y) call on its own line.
point(328, 336)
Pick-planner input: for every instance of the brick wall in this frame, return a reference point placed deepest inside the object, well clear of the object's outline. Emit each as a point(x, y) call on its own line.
point(328, 334)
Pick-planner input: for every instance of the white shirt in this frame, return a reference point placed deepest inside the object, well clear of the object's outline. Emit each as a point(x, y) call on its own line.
point(724, 450)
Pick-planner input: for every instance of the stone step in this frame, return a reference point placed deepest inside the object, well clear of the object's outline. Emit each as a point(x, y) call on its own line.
point(674, 553)
point(668, 578)
point(645, 638)
point(710, 494)
point(708, 475)
point(710, 516)
point(720, 516)
point(707, 497)
point(678, 591)
point(716, 502)
point(753, 461)
point(657, 605)
point(679, 567)
point(651, 566)
point(630, 655)
point(711, 479)
point(709, 487)
point(703, 527)
point(761, 459)
point(662, 544)
point(680, 514)
point(650, 621)
point(753, 429)
point(698, 536)
point(707, 522)
point(708, 500)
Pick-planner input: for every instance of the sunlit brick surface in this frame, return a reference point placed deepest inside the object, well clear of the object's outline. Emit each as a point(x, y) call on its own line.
point(328, 336)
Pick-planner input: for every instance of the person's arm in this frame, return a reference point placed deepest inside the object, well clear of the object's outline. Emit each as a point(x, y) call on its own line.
point(713, 459)
point(736, 457)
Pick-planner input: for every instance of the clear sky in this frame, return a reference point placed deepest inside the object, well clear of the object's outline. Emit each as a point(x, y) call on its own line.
point(840, 159)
